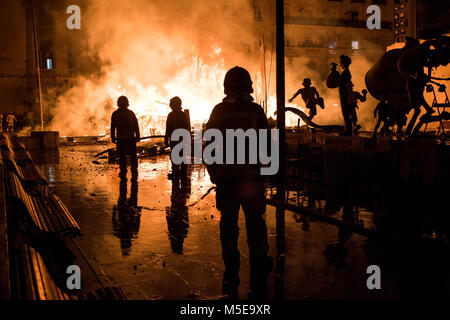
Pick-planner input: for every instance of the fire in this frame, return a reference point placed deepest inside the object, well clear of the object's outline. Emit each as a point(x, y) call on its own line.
point(151, 51)
point(198, 85)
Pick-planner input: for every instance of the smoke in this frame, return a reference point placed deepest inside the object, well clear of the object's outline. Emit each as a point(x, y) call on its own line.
point(151, 51)
point(304, 67)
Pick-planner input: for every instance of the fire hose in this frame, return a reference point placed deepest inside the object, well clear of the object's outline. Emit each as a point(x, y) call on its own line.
point(188, 206)
point(443, 79)
point(203, 197)
point(140, 139)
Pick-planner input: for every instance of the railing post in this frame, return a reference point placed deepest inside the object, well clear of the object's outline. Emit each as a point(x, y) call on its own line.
point(281, 90)
point(280, 210)
point(5, 293)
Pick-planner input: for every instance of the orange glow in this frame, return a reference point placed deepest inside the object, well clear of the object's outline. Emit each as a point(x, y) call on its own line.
point(199, 85)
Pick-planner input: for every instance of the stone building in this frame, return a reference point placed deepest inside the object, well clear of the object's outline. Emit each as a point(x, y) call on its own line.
point(323, 30)
point(26, 26)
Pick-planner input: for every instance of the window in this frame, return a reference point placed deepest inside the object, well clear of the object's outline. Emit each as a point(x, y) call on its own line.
point(355, 45)
point(46, 54)
point(332, 47)
point(257, 13)
point(287, 9)
point(44, 18)
point(332, 10)
point(70, 57)
point(49, 63)
point(355, 15)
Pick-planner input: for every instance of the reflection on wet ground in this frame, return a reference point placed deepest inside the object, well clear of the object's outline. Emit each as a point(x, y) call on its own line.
point(168, 246)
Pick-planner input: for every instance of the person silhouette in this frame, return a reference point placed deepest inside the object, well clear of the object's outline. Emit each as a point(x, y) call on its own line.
point(240, 185)
point(176, 119)
point(125, 133)
point(344, 85)
point(177, 215)
point(336, 253)
point(126, 217)
point(10, 120)
point(310, 96)
point(353, 97)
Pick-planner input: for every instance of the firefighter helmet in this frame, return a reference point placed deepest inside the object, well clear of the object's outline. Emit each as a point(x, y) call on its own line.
point(237, 80)
point(122, 102)
point(175, 103)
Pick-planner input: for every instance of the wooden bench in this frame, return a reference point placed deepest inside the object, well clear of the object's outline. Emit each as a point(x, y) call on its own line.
point(43, 211)
point(27, 190)
point(31, 280)
point(37, 218)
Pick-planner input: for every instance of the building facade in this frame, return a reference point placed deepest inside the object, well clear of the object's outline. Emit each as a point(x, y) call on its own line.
point(31, 29)
point(322, 30)
point(319, 31)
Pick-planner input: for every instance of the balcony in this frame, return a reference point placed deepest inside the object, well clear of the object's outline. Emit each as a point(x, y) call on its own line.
point(326, 22)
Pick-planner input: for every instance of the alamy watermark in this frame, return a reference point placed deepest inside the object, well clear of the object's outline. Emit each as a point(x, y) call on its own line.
point(74, 20)
point(230, 149)
point(374, 19)
point(374, 280)
point(74, 280)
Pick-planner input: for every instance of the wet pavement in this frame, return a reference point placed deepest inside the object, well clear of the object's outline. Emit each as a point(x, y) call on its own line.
point(171, 250)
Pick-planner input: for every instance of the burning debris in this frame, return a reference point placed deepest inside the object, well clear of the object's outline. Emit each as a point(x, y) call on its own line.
point(143, 150)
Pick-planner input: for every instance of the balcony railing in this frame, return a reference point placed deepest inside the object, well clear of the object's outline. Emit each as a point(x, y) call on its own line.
point(308, 21)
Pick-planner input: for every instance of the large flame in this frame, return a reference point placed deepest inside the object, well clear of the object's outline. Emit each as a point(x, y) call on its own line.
point(199, 85)
point(151, 51)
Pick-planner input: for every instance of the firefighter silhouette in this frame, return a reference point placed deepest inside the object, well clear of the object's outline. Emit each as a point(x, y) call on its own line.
point(10, 119)
point(126, 217)
point(177, 215)
point(240, 185)
point(176, 119)
point(125, 133)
